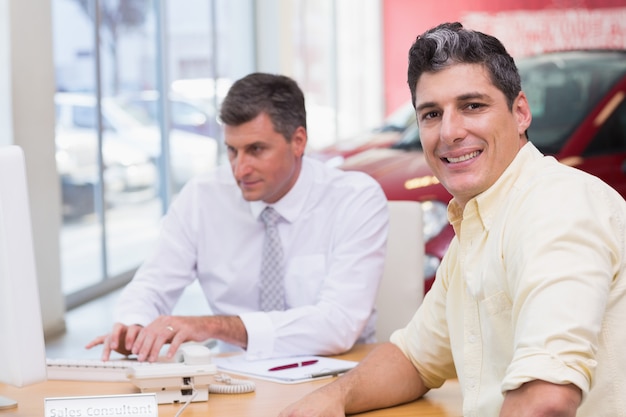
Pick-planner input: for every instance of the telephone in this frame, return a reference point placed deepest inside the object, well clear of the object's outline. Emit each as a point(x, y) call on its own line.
point(189, 378)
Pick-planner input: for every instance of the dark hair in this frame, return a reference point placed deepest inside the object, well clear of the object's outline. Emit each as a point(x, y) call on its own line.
point(450, 43)
point(276, 95)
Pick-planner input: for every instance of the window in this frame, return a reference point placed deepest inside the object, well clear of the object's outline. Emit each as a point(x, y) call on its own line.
point(158, 75)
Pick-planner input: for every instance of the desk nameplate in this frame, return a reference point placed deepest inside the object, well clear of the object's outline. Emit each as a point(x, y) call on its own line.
point(122, 405)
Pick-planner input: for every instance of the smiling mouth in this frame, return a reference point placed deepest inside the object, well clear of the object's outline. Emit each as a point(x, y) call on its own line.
point(462, 157)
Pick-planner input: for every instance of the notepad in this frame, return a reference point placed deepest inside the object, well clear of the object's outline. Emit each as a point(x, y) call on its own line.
point(323, 368)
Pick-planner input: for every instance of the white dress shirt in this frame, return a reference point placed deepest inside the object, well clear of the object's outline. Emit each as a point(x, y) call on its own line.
point(533, 287)
point(334, 238)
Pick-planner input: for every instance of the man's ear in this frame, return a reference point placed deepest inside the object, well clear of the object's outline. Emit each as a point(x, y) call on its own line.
point(298, 141)
point(521, 110)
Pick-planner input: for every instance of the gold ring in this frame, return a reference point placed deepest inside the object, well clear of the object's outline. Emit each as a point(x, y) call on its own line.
point(170, 328)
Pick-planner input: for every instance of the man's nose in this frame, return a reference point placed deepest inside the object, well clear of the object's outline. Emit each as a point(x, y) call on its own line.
point(240, 166)
point(452, 127)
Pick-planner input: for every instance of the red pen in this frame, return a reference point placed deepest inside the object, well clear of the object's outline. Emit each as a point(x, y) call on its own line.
point(293, 365)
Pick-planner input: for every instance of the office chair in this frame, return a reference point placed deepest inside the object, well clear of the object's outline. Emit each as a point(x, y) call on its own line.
point(402, 287)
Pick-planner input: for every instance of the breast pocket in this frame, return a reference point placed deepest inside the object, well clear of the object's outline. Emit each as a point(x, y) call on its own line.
point(497, 331)
point(304, 279)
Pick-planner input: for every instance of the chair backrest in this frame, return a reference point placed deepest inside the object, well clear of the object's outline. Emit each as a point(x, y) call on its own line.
point(402, 287)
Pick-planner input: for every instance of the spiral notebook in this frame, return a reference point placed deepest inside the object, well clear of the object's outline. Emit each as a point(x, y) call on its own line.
point(291, 370)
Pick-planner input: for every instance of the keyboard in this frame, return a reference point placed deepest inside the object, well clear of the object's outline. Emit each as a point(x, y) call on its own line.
point(95, 369)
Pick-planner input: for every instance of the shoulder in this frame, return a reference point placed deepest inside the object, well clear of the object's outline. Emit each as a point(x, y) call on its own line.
point(219, 177)
point(562, 184)
point(552, 193)
point(215, 187)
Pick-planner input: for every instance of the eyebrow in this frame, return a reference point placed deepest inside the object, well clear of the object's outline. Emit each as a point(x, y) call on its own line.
point(462, 97)
point(472, 96)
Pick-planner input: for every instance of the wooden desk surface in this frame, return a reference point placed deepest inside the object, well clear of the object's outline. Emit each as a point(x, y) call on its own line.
point(268, 399)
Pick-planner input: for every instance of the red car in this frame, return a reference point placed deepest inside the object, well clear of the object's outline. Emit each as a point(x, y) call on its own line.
point(578, 102)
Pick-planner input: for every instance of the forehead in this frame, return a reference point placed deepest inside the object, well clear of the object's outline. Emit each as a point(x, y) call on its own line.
point(454, 81)
point(260, 129)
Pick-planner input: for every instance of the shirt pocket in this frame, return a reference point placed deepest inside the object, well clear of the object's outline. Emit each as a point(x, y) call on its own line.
point(304, 276)
point(496, 304)
point(497, 331)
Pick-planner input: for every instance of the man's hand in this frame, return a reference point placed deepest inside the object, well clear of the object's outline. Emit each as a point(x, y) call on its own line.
point(174, 330)
point(146, 342)
point(121, 340)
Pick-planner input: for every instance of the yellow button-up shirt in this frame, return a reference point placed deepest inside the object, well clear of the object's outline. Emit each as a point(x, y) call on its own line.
point(533, 287)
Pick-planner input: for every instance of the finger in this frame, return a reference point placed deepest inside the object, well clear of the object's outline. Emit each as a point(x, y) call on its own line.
point(175, 344)
point(116, 334)
point(144, 343)
point(97, 341)
point(131, 336)
point(163, 336)
point(106, 350)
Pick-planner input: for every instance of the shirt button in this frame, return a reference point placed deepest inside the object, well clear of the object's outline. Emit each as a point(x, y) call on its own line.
point(472, 338)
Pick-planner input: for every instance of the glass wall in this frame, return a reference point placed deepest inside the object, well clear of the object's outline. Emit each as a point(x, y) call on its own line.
point(139, 83)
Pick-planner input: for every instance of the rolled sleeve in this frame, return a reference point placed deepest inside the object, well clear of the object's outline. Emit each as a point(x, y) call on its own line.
point(560, 298)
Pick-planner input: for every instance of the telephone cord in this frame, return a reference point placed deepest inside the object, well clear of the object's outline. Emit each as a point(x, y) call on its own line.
point(231, 386)
point(189, 400)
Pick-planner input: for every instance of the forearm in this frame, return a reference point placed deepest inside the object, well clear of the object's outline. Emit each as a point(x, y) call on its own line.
point(229, 329)
point(540, 398)
point(384, 378)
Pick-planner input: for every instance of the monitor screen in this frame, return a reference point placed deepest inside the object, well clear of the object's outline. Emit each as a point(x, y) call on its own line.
point(22, 351)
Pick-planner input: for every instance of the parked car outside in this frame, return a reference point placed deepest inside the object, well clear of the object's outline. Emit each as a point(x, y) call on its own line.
point(382, 137)
point(195, 116)
point(131, 153)
point(578, 103)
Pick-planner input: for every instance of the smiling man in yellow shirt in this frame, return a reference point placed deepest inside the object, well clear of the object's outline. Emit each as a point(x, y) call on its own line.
point(528, 303)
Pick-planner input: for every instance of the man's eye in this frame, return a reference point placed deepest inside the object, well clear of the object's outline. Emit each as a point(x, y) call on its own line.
point(474, 106)
point(429, 115)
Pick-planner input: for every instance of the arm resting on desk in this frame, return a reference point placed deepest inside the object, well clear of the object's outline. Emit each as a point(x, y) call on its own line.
point(383, 379)
point(542, 398)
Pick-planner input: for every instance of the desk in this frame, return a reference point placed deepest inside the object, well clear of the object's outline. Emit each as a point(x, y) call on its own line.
point(268, 399)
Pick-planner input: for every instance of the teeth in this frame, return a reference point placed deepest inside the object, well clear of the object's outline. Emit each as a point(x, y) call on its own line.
point(463, 158)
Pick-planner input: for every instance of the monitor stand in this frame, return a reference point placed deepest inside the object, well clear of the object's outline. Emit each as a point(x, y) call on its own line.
point(6, 403)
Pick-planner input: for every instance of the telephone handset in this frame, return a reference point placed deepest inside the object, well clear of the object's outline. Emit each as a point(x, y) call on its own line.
point(193, 354)
point(189, 378)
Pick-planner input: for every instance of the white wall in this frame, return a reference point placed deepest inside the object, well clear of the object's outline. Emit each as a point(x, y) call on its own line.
point(27, 119)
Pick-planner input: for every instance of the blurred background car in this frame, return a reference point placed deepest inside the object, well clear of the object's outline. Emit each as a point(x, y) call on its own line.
point(577, 99)
point(191, 115)
point(382, 137)
point(131, 150)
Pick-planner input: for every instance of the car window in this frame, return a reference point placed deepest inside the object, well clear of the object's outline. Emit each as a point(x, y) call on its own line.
point(399, 120)
point(410, 139)
point(143, 110)
point(187, 115)
point(611, 138)
point(84, 117)
point(562, 90)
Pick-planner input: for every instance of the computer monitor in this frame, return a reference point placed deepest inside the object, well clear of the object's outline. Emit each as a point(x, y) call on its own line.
point(22, 348)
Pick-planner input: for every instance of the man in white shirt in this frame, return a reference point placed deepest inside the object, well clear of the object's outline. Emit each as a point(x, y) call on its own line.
point(332, 231)
point(528, 304)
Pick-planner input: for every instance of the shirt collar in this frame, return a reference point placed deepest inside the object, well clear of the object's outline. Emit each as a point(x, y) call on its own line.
point(292, 203)
point(487, 203)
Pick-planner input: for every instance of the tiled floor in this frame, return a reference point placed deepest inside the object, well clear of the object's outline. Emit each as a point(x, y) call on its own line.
point(95, 318)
